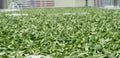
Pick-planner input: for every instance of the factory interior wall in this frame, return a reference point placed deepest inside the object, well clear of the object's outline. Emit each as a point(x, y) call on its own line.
point(72, 3)
point(80, 3)
point(65, 3)
point(5, 4)
point(91, 3)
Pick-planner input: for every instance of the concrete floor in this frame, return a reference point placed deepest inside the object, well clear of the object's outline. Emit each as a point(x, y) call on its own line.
point(4, 10)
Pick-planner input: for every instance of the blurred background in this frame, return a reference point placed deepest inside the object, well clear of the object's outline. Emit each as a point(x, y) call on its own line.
point(15, 4)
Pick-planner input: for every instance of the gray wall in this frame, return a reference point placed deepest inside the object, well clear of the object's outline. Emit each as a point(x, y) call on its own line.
point(1, 4)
